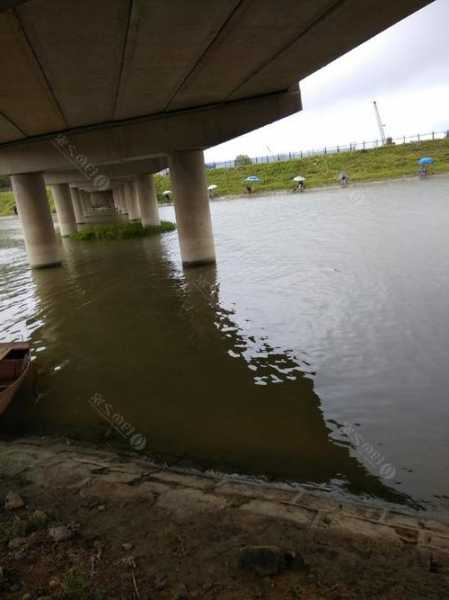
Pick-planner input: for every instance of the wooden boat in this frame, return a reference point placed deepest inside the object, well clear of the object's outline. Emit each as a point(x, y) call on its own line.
point(15, 371)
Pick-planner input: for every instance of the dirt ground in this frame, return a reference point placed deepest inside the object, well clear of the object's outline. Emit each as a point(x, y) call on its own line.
point(129, 548)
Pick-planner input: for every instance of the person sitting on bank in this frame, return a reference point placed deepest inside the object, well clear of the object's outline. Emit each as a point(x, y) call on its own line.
point(343, 179)
point(423, 171)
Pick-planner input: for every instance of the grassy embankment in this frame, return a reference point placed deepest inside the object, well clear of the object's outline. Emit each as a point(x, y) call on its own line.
point(121, 231)
point(382, 163)
point(377, 164)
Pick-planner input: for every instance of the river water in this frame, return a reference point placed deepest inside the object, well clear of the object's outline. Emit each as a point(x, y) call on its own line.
point(316, 351)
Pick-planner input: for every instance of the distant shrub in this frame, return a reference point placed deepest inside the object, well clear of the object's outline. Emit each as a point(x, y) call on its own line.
point(242, 160)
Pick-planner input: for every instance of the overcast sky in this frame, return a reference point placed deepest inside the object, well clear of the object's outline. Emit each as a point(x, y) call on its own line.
point(406, 69)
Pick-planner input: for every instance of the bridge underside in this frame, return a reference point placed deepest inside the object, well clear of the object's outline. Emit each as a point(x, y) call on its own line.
point(99, 94)
point(128, 79)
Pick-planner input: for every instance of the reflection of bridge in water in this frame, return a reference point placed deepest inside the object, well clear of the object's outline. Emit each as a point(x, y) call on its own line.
point(180, 370)
point(274, 424)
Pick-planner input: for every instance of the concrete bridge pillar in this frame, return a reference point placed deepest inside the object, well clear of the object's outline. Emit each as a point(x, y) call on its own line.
point(76, 201)
point(131, 202)
point(82, 195)
point(116, 200)
point(87, 203)
point(90, 202)
point(147, 200)
point(34, 212)
point(121, 199)
point(64, 209)
point(192, 208)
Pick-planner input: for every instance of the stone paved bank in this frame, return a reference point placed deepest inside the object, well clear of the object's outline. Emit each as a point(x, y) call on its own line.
point(91, 472)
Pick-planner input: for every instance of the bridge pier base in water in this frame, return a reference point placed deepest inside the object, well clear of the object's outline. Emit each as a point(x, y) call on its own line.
point(192, 208)
point(145, 191)
point(64, 209)
point(34, 212)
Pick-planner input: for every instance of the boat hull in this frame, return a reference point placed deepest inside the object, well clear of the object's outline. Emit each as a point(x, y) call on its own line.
point(21, 373)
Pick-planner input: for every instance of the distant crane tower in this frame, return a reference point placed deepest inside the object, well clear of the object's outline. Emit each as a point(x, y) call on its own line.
point(381, 126)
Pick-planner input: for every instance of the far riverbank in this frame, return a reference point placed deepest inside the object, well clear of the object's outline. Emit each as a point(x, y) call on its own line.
point(379, 164)
point(370, 166)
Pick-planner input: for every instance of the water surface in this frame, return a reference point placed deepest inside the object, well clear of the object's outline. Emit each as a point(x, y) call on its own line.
point(316, 351)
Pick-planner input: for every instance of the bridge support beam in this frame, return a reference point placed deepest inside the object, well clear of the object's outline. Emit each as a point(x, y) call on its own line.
point(64, 209)
point(34, 212)
point(147, 200)
point(192, 208)
point(76, 201)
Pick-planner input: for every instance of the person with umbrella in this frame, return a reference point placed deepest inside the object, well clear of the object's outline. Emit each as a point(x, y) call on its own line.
point(424, 164)
point(300, 183)
point(249, 180)
point(211, 189)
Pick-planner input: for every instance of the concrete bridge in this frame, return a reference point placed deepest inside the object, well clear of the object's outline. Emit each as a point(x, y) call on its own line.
point(97, 95)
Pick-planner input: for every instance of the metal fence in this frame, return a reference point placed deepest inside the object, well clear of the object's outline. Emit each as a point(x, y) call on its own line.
point(355, 147)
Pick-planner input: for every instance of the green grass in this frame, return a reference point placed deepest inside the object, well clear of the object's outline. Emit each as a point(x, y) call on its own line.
point(7, 203)
point(381, 163)
point(121, 231)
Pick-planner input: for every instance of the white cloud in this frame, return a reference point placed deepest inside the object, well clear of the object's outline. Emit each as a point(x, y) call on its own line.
point(406, 69)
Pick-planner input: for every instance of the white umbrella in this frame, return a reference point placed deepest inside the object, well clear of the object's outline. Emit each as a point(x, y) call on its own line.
point(212, 187)
point(299, 178)
point(167, 193)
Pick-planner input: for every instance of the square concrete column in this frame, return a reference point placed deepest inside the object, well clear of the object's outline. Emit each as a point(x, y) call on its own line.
point(64, 209)
point(77, 207)
point(37, 224)
point(192, 208)
point(131, 202)
point(147, 200)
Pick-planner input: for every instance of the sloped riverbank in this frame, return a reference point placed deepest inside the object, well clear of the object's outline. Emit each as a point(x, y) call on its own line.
point(79, 521)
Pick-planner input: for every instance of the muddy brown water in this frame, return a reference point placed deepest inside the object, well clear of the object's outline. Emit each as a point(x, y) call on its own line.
point(317, 350)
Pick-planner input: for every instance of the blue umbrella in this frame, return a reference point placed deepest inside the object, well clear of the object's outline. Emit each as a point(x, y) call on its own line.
point(425, 161)
point(253, 179)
